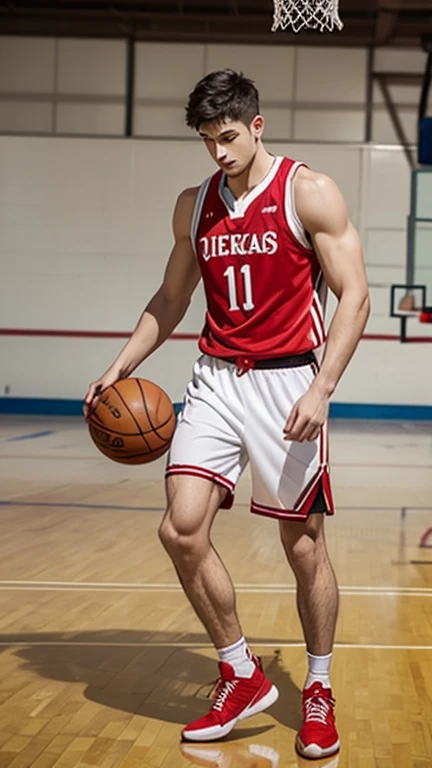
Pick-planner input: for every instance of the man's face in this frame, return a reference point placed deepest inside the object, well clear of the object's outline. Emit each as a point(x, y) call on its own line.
point(232, 144)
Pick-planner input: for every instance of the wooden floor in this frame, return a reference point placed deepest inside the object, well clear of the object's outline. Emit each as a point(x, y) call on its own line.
point(102, 660)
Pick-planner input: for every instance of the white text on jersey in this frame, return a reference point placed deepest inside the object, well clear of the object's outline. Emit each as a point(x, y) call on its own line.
point(238, 245)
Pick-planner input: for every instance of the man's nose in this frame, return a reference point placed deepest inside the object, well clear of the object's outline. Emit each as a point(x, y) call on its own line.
point(220, 152)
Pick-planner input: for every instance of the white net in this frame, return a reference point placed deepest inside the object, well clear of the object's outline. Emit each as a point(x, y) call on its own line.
point(311, 14)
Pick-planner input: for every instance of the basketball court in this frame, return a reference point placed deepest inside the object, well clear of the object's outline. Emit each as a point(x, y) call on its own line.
point(102, 659)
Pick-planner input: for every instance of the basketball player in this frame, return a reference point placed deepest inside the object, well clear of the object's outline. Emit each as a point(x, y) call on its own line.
point(265, 234)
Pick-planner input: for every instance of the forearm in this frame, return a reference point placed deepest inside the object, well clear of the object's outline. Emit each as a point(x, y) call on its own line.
point(156, 323)
point(343, 337)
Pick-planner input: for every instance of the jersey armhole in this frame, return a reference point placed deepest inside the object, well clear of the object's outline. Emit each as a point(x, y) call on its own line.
point(197, 211)
point(292, 218)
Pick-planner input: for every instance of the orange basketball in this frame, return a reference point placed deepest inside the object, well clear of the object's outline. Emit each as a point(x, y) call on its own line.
point(133, 421)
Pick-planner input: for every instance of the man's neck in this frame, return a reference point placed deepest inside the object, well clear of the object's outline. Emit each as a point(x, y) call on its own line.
point(253, 175)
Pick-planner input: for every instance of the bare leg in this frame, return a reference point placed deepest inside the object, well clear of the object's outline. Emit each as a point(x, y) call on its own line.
point(185, 533)
point(317, 591)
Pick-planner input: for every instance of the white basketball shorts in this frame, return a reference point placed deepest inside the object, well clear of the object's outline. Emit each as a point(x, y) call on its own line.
point(229, 420)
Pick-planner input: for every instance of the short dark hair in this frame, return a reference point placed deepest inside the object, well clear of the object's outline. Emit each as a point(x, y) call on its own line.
point(222, 95)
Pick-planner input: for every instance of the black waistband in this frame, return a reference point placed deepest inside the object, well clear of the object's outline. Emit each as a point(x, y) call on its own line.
point(244, 363)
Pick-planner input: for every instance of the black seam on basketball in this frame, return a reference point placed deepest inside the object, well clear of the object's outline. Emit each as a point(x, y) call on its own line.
point(93, 413)
point(133, 416)
point(131, 455)
point(101, 424)
point(110, 447)
point(147, 411)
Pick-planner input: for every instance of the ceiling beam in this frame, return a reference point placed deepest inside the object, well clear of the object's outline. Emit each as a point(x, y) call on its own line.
point(387, 20)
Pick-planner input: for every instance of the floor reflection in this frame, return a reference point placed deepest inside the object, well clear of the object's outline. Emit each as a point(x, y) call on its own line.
point(231, 755)
point(221, 755)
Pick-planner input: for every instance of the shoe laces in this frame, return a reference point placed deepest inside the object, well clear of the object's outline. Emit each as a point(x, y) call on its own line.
point(317, 708)
point(225, 687)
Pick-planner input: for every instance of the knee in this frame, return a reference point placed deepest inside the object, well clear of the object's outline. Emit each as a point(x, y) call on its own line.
point(180, 545)
point(303, 548)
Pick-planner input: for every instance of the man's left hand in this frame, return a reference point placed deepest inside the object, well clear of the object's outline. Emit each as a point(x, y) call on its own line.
point(307, 416)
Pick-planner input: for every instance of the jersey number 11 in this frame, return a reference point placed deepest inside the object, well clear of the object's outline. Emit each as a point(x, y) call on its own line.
point(232, 288)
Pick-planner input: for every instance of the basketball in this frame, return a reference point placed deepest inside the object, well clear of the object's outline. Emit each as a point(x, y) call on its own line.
point(133, 421)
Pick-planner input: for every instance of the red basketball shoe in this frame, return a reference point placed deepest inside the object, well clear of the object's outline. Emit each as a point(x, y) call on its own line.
point(235, 698)
point(318, 736)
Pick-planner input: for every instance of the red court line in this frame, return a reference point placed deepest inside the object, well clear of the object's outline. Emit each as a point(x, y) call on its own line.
point(56, 333)
point(85, 334)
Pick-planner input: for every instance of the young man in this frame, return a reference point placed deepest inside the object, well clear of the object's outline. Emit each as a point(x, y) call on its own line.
point(266, 235)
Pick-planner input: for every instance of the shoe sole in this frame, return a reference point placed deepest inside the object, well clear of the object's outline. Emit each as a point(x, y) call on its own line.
point(315, 752)
point(219, 731)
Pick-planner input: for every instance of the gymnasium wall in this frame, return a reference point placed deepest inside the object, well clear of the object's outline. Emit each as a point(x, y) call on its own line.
point(85, 215)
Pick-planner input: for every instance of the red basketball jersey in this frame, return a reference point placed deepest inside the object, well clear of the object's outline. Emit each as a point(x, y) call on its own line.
point(263, 282)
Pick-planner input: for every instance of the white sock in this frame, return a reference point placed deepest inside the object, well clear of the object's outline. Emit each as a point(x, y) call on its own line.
point(319, 669)
point(240, 658)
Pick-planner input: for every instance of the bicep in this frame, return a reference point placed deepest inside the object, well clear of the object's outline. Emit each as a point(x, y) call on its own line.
point(334, 238)
point(340, 254)
point(182, 273)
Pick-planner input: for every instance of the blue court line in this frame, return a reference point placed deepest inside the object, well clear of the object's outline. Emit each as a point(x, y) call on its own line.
point(32, 436)
point(50, 407)
point(40, 406)
point(382, 411)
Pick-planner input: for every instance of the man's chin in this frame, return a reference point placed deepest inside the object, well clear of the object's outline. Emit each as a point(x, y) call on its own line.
point(233, 172)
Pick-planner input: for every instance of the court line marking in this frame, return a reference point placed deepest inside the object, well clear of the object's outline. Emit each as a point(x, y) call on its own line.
point(67, 505)
point(71, 586)
point(73, 505)
point(257, 644)
point(32, 436)
point(33, 457)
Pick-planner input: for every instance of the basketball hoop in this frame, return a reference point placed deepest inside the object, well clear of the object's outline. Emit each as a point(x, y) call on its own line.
point(309, 14)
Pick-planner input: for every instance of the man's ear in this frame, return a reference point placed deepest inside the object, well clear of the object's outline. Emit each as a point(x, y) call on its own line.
point(257, 127)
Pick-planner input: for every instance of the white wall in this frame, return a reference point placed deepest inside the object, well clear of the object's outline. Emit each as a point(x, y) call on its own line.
point(66, 86)
point(85, 230)
point(85, 223)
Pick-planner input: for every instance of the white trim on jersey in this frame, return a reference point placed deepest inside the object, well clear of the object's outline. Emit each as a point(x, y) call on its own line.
point(314, 338)
point(293, 220)
point(322, 293)
point(197, 211)
point(318, 321)
point(241, 205)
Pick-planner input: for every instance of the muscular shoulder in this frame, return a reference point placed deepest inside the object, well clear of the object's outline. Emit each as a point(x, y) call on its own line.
point(189, 194)
point(309, 183)
point(183, 211)
point(318, 199)
point(186, 200)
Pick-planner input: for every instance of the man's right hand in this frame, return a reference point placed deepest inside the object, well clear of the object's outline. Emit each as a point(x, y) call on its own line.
point(96, 388)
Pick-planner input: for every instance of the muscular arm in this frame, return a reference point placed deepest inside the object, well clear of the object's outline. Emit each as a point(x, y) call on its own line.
point(322, 211)
point(168, 305)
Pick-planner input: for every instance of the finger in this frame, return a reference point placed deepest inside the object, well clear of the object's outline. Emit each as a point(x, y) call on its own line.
point(86, 409)
point(90, 394)
point(314, 434)
point(96, 397)
point(299, 427)
point(94, 393)
point(292, 418)
point(302, 434)
point(310, 426)
point(91, 399)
